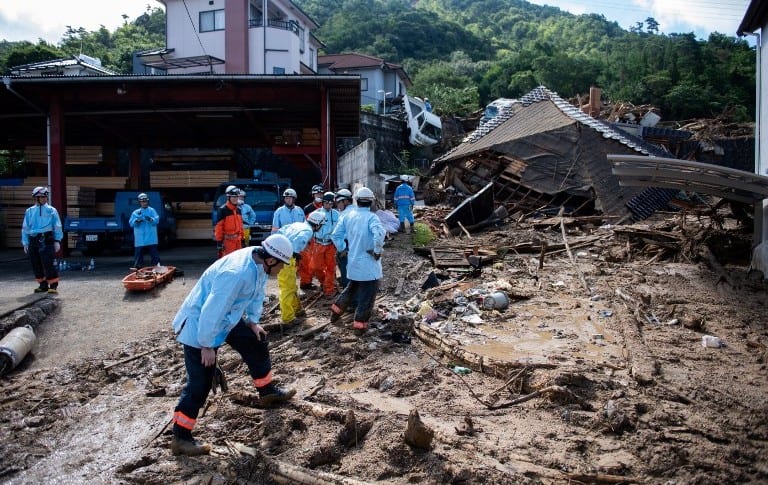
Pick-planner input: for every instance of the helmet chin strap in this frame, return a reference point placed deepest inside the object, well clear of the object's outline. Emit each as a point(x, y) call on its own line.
point(269, 267)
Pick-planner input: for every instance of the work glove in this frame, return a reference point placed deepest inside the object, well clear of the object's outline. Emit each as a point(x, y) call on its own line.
point(342, 254)
point(219, 381)
point(26, 249)
point(374, 255)
point(56, 246)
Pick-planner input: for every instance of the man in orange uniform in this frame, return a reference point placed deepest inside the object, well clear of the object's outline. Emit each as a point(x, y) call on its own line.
point(228, 232)
point(323, 261)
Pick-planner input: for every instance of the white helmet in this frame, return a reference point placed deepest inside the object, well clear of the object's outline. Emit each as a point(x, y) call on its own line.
point(317, 189)
point(232, 191)
point(317, 218)
point(405, 178)
point(142, 196)
point(343, 194)
point(364, 194)
point(289, 193)
point(279, 247)
point(40, 192)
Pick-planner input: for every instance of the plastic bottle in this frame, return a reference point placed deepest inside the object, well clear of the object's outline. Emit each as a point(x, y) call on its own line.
point(92, 264)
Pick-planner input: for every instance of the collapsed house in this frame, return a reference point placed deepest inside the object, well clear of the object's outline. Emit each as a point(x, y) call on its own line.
point(542, 154)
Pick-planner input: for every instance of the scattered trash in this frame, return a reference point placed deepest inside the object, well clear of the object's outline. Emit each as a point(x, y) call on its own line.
point(597, 336)
point(711, 341)
point(595, 298)
point(674, 321)
point(496, 301)
point(430, 282)
point(457, 369)
point(473, 319)
point(606, 313)
point(558, 283)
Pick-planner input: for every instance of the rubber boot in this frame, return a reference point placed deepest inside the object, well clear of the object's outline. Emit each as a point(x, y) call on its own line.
point(402, 227)
point(180, 446)
point(271, 395)
point(407, 227)
point(42, 288)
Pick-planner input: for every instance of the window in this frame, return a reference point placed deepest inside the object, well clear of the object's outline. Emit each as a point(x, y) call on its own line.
point(211, 20)
point(364, 84)
point(278, 70)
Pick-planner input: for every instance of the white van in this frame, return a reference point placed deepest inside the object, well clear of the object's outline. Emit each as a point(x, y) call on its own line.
point(424, 128)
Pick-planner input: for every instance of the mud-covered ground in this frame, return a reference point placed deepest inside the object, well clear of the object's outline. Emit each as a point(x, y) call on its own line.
point(594, 373)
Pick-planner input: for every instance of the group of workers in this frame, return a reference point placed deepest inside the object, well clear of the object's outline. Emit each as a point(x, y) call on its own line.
point(226, 303)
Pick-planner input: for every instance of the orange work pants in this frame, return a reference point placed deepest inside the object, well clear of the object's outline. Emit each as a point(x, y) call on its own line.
point(305, 265)
point(323, 267)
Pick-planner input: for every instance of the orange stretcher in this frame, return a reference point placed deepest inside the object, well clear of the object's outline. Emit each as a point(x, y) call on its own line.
point(144, 279)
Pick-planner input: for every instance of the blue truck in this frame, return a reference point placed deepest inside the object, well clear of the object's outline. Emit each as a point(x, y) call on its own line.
point(263, 192)
point(94, 235)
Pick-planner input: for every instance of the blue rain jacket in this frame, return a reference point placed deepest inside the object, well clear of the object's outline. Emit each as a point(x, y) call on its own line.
point(39, 219)
point(144, 223)
point(249, 215)
point(284, 216)
point(404, 195)
point(232, 287)
point(363, 232)
point(332, 217)
point(299, 233)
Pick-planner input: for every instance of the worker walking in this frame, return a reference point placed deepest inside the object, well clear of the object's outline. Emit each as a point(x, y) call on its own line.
point(288, 212)
point(228, 232)
point(248, 215)
point(322, 263)
point(225, 306)
point(361, 234)
point(41, 235)
point(144, 222)
point(344, 206)
point(405, 199)
point(299, 234)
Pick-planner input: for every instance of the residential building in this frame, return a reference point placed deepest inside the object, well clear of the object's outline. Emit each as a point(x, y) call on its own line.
point(381, 83)
point(755, 23)
point(79, 65)
point(271, 37)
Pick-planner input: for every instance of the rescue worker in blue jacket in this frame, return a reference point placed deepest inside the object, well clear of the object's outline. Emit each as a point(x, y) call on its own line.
point(144, 222)
point(41, 235)
point(287, 213)
point(344, 205)
point(225, 306)
point(248, 215)
point(404, 199)
point(361, 234)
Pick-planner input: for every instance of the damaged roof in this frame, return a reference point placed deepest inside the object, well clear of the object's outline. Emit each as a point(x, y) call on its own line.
point(545, 144)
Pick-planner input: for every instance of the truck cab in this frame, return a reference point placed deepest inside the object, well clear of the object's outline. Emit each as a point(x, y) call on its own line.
point(93, 235)
point(263, 192)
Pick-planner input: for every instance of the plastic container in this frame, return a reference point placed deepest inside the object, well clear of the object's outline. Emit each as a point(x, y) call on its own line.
point(711, 341)
point(15, 346)
point(497, 300)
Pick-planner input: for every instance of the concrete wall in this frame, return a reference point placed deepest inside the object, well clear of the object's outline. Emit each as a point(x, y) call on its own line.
point(356, 169)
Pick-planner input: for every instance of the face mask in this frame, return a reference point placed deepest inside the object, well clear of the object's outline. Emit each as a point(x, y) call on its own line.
point(318, 199)
point(240, 202)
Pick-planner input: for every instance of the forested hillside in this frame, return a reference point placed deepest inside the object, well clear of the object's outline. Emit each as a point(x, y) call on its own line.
point(463, 53)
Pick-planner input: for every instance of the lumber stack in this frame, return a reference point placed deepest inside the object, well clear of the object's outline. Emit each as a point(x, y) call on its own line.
point(98, 183)
point(310, 136)
point(74, 155)
point(189, 178)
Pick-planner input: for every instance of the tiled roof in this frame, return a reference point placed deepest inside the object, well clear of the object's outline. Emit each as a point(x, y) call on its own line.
point(542, 94)
point(353, 61)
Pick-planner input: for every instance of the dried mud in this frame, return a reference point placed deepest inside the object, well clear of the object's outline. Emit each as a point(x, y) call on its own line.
point(595, 373)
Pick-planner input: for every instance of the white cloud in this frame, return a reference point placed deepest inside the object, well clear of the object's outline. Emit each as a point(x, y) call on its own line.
point(48, 19)
point(701, 17)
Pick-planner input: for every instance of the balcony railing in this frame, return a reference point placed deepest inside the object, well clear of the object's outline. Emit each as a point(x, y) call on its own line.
point(290, 25)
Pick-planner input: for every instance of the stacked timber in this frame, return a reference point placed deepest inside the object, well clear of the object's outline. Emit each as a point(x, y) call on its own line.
point(189, 178)
point(74, 155)
point(98, 183)
point(194, 228)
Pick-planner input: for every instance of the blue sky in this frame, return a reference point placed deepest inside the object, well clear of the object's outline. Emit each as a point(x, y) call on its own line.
point(48, 19)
